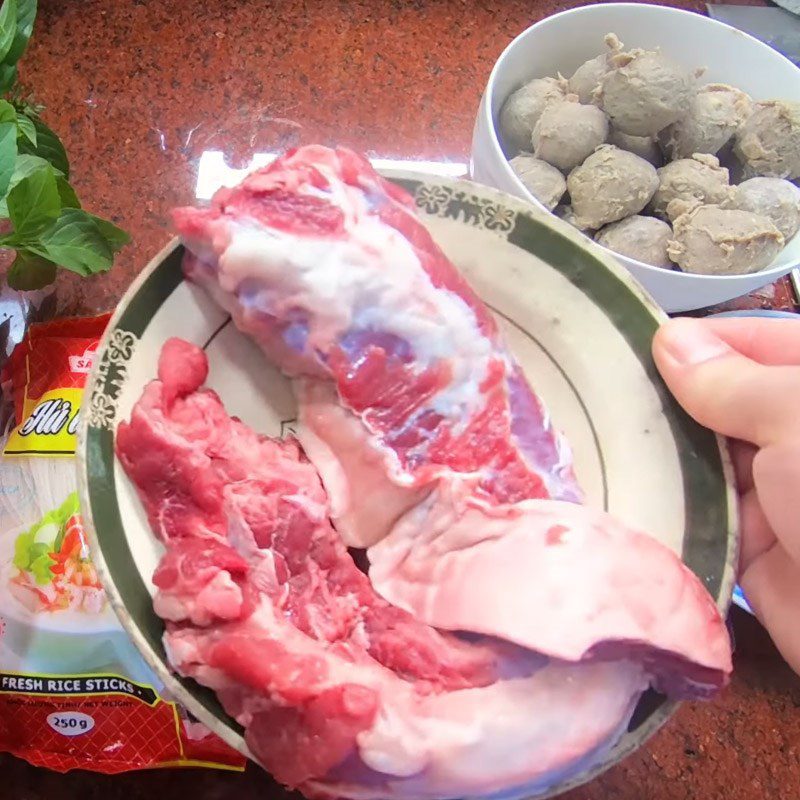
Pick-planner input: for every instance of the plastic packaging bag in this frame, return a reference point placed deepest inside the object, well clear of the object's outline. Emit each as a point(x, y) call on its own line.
point(74, 692)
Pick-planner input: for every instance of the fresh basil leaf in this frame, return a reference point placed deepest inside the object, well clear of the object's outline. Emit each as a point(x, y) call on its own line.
point(75, 243)
point(29, 272)
point(48, 146)
point(8, 26)
point(67, 194)
point(8, 154)
point(26, 16)
point(33, 203)
point(7, 112)
point(8, 77)
point(25, 165)
point(114, 236)
point(26, 128)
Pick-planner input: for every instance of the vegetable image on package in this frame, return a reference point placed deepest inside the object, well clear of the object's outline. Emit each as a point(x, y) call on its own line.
point(74, 692)
point(55, 571)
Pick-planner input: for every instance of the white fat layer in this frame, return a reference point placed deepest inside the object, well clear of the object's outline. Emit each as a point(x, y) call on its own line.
point(480, 737)
point(369, 279)
point(481, 740)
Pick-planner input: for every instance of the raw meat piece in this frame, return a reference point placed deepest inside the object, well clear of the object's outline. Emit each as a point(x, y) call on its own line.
point(221, 493)
point(365, 502)
point(340, 693)
point(453, 559)
point(327, 267)
point(355, 290)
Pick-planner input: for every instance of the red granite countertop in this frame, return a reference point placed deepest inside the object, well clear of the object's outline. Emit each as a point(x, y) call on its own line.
point(139, 89)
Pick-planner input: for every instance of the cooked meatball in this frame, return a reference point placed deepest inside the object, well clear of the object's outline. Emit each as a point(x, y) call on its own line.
point(709, 240)
point(774, 198)
point(568, 132)
point(715, 113)
point(541, 179)
point(728, 159)
point(567, 213)
point(699, 178)
point(645, 147)
point(522, 109)
point(644, 92)
point(587, 78)
point(610, 185)
point(768, 143)
point(642, 238)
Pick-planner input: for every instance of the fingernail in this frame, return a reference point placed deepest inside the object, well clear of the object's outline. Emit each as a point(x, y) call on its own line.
point(690, 342)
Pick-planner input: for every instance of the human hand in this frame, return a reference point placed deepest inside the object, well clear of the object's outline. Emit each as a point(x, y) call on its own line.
point(741, 378)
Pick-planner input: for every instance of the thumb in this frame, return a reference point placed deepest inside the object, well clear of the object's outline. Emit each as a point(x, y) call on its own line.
point(723, 389)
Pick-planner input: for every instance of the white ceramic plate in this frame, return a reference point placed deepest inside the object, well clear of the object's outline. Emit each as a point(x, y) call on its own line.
point(580, 327)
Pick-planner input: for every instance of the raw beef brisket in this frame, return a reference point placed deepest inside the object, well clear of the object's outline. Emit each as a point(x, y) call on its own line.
point(340, 692)
point(407, 388)
point(436, 456)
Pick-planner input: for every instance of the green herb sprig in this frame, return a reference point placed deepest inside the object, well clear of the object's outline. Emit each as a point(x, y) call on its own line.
point(50, 228)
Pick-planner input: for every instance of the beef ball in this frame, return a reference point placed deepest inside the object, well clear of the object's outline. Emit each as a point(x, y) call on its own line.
point(768, 143)
point(541, 179)
point(644, 92)
point(610, 185)
point(522, 109)
point(587, 78)
point(709, 240)
point(699, 178)
point(567, 213)
point(642, 238)
point(645, 147)
point(774, 198)
point(714, 114)
point(568, 132)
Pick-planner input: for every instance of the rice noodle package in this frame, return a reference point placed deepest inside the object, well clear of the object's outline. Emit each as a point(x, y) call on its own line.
point(74, 691)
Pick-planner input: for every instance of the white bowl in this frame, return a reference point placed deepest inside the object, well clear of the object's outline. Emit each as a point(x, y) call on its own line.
point(561, 43)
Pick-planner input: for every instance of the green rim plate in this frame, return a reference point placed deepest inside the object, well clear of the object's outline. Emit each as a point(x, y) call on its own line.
point(581, 328)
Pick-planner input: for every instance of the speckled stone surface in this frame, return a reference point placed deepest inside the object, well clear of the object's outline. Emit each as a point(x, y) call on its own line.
point(140, 89)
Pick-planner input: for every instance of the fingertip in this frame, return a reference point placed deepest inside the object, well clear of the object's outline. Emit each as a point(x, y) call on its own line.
point(661, 340)
point(688, 342)
point(668, 367)
point(681, 349)
point(660, 336)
